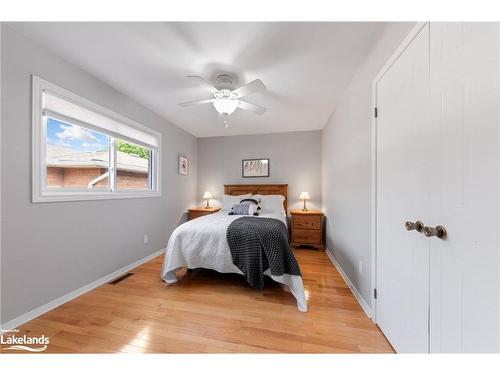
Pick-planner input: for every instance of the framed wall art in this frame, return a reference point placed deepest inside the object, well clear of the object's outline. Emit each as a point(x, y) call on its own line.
point(255, 168)
point(183, 165)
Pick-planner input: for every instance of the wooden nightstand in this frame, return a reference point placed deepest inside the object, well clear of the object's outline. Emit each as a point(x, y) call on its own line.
point(193, 213)
point(307, 228)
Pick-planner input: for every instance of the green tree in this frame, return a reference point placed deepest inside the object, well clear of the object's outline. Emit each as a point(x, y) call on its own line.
point(132, 149)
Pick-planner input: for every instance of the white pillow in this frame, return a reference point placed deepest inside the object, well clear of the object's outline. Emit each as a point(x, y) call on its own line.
point(228, 201)
point(270, 203)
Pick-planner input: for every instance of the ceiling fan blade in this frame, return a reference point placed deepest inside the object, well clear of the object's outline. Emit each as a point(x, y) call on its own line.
point(249, 88)
point(257, 109)
point(203, 82)
point(187, 104)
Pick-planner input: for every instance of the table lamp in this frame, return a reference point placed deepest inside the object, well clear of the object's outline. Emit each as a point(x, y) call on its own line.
point(207, 196)
point(305, 197)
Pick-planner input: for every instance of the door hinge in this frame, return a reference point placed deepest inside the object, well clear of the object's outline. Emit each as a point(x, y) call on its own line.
point(375, 112)
point(375, 293)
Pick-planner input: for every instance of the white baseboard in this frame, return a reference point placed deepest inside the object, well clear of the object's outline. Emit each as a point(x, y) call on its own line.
point(366, 307)
point(16, 322)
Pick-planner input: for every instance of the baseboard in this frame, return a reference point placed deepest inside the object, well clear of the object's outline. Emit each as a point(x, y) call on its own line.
point(16, 322)
point(366, 307)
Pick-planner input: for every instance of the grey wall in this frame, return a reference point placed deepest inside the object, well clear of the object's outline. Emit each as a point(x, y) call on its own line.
point(346, 166)
point(295, 159)
point(50, 249)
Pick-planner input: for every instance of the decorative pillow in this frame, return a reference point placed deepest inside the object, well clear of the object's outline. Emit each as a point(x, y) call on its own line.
point(253, 209)
point(228, 201)
point(271, 203)
point(244, 209)
point(250, 201)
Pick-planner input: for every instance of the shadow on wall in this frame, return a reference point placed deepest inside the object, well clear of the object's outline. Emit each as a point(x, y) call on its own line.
point(328, 241)
point(340, 253)
point(183, 218)
point(326, 222)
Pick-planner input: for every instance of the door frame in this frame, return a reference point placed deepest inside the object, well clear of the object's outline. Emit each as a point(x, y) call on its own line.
point(394, 57)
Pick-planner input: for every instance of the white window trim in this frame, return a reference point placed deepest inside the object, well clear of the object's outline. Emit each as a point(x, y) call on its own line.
point(39, 168)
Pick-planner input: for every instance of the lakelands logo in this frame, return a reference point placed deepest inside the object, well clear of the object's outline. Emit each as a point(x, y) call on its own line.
point(24, 342)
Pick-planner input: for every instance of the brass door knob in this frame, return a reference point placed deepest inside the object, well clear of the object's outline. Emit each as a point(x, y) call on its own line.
point(438, 231)
point(417, 225)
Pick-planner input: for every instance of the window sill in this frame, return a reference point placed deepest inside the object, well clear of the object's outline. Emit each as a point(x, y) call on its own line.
point(92, 196)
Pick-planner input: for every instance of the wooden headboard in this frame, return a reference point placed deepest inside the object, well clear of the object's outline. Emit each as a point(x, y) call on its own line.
point(264, 189)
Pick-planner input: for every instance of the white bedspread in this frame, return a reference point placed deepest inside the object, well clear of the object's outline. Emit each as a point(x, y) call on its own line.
point(202, 243)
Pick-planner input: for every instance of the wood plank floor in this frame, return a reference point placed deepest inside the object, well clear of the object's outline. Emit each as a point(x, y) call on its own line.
point(207, 312)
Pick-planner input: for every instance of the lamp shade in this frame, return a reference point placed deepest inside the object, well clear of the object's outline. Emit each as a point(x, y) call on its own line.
point(304, 195)
point(207, 195)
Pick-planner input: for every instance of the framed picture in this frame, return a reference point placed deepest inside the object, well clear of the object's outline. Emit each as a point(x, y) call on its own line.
point(183, 165)
point(255, 168)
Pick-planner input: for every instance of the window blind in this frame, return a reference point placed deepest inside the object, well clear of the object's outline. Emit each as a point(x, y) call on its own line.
point(63, 109)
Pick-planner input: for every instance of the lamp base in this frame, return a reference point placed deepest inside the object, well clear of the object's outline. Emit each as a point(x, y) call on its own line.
point(305, 208)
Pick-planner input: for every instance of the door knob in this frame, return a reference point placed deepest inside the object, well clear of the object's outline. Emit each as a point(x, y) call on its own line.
point(438, 231)
point(417, 225)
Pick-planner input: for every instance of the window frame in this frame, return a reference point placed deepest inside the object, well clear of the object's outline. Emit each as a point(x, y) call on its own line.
point(40, 191)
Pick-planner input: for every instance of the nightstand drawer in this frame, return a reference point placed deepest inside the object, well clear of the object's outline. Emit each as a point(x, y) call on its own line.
point(197, 214)
point(306, 236)
point(306, 222)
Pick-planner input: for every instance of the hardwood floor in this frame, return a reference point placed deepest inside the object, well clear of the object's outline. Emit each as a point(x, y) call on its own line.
point(207, 312)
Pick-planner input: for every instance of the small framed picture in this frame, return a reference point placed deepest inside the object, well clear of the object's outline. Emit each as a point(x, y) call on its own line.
point(183, 165)
point(255, 168)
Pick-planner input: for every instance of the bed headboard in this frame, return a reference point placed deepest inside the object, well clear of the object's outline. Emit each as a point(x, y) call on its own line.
point(264, 189)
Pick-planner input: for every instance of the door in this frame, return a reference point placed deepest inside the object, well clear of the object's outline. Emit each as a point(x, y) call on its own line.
point(403, 160)
point(464, 285)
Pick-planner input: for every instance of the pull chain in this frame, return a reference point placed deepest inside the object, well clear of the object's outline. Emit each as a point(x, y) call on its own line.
point(225, 118)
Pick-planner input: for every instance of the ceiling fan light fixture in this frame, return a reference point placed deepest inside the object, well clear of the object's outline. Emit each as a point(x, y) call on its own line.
point(226, 106)
point(226, 100)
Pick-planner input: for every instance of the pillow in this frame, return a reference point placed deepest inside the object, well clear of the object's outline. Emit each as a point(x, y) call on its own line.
point(250, 201)
point(244, 209)
point(271, 203)
point(228, 201)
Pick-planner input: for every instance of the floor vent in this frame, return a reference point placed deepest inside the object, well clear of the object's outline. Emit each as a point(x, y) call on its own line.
point(121, 278)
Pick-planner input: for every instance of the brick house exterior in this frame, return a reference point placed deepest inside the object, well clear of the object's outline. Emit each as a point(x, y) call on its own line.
point(74, 169)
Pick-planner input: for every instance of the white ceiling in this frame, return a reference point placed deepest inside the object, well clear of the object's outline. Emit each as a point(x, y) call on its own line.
point(305, 66)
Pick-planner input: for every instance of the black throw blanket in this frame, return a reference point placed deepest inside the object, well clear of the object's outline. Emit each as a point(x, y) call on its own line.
point(258, 244)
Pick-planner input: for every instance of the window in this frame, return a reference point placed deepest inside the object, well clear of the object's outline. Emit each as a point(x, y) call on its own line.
point(75, 157)
point(83, 151)
point(133, 165)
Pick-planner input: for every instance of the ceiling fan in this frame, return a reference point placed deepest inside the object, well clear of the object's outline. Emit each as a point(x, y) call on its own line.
point(226, 100)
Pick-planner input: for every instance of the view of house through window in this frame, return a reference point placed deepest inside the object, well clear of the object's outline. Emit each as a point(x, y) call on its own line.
point(79, 158)
point(132, 165)
point(76, 157)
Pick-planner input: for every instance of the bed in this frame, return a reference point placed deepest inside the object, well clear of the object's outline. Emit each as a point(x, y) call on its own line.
point(202, 242)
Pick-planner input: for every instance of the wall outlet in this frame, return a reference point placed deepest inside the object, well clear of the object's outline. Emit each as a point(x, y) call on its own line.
point(146, 239)
point(360, 267)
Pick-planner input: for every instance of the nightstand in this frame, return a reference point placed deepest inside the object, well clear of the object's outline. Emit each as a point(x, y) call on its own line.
point(307, 228)
point(193, 213)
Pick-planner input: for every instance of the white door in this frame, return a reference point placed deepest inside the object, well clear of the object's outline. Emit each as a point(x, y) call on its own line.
point(465, 174)
point(403, 131)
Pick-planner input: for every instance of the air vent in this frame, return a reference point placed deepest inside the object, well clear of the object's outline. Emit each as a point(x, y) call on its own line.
point(121, 278)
